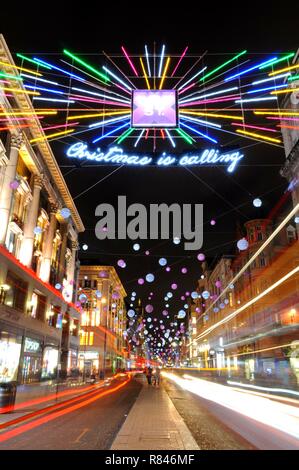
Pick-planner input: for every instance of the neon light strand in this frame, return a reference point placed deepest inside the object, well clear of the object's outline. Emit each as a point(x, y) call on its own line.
point(284, 126)
point(170, 138)
point(56, 134)
point(224, 116)
point(161, 61)
point(28, 113)
point(249, 100)
point(139, 137)
point(253, 127)
point(200, 121)
point(221, 66)
point(60, 125)
point(293, 77)
point(277, 113)
point(259, 136)
point(164, 73)
point(33, 61)
point(109, 121)
point(39, 79)
point(266, 89)
point(14, 127)
point(205, 136)
point(55, 100)
point(17, 90)
point(111, 98)
point(190, 79)
point(271, 78)
point(147, 61)
point(185, 136)
point(104, 78)
point(231, 77)
point(206, 95)
point(110, 132)
point(283, 118)
point(59, 69)
point(219, 99)
point(181, 58)
point(116, 78)
point(162, 133)
point(144, 73)
point(20, 68)
point(187, 88)
point(11, 77)
point(124, 135)
point(129, 60)
point(88, 92)
point(289, 90)
point(286, 69)
point(49, 90)
point(286, 57)
point(104, 113)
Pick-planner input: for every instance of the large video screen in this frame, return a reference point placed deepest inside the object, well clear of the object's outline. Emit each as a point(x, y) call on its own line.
point(154, 108)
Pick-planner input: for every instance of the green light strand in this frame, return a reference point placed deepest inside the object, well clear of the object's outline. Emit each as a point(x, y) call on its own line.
point(185, 136)
point(33, 61)
point(6, 75)
point(222, 65)
point(286, 57)
point(124, 135)
point(89, 67)
point(294, 77)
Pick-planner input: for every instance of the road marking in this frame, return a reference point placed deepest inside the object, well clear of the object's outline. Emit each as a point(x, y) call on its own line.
point(85, 430)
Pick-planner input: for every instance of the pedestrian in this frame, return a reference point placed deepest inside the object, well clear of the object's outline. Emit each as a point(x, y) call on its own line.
point(149, 373)
point(157, 376)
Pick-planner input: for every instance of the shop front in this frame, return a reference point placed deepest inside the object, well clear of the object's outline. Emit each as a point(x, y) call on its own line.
point(10, 351)
point(32, 360)
point(50, 362)
point(89, 363)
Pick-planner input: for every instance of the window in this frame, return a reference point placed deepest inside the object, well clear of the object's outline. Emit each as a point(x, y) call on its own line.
point(260, 236)
point(54, 317)
point(37, 306)
point(16, 295)
point(262, 262)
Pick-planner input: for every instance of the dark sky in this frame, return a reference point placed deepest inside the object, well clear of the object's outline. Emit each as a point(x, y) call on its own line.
point(262, 29)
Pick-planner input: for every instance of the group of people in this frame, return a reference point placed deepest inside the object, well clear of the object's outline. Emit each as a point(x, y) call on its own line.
point(153, 375)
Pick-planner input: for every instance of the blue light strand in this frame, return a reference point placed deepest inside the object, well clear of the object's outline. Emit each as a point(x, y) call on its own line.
point(266, 89)
point(198, 132)
point(33, 87)
point(111, 132)
point(248, 70)
point(58, 68)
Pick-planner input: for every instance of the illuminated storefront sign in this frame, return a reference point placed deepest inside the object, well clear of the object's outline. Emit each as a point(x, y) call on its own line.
point(154, 108)
point(117, 156)
point(31, 345)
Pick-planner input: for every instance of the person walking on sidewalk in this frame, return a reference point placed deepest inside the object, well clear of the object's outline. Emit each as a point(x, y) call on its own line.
point(149, 373)
point(157, 376)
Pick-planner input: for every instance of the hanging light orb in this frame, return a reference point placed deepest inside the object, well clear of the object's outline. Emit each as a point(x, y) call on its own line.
point(150, 277)
point(136, 247)
point(176, 240)
point(65, 213)
point(140, 281)
point(194, 295)
point(242, 244)
point(149, 308)
point(121, 263)
point(84, 247)
point(162, 261)
point(205, 295)
point(131, 313)
point(257, 202)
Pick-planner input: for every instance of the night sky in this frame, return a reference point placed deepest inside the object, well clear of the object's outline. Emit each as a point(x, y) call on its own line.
point(262, 29)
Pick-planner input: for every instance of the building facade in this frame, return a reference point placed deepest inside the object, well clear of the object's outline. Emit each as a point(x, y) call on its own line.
point(103, 347)
point(39, 323)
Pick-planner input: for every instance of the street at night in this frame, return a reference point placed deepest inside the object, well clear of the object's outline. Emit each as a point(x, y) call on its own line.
point(149, 232)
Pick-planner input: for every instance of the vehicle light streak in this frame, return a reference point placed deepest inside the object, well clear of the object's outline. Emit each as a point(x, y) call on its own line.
point(277, 415)
point(268, 389)
point(45, 419)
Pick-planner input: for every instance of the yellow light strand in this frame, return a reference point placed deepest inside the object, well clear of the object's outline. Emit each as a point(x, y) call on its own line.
point(56, 134)
point(286, 69)
point(16, 90)
point(277, 113)
point(28, 113)
point(288, 90)
point(20, 68)
point(259, 136)
point(144, 73)
point(104, 113)
point(225, 116)
point(164, 73)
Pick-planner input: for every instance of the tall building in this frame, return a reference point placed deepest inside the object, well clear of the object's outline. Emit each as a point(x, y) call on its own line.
point(102, 343)
point(39, 322)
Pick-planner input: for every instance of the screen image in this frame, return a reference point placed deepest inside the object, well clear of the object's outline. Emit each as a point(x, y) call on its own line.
point(154, 108)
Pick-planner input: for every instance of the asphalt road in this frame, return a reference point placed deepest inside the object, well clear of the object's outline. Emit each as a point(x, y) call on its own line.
point(214, 426)
point(91, 427)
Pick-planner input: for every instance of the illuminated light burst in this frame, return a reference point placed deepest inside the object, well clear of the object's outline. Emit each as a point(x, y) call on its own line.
point(157, 97)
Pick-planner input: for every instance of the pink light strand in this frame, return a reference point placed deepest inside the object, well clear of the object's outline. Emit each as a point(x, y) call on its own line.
point(187, 88)
point(283, 118)
point(88, 100)
point(253, 127)
point(129, 60)
point(60, 125)
point(179, 61)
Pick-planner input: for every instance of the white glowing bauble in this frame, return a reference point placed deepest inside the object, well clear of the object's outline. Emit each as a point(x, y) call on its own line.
point(194, 295)
point(176, 240)
point(257, 202)
point(162, 261)
point(84, 247)
point(150, 277)
point(242, 244)
point(136, 247)
point(131, 313)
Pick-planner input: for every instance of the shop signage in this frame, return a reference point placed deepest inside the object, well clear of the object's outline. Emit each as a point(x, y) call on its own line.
point(31, 345)
point(117, 156)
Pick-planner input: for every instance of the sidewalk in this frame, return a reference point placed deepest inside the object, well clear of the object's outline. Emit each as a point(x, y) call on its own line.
point(154, 424)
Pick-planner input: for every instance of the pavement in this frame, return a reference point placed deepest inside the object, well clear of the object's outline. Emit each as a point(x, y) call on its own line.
point(154, 424)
